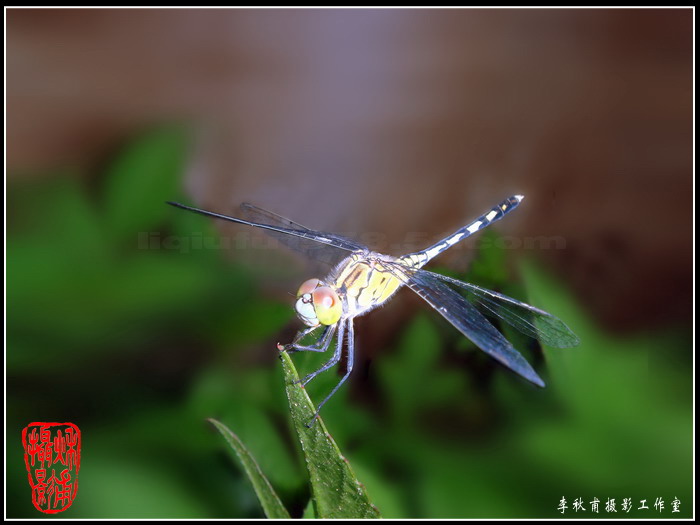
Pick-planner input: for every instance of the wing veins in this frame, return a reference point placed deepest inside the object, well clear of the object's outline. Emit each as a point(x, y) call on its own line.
point(299, 231)
point(544, 326)
point(466, 318)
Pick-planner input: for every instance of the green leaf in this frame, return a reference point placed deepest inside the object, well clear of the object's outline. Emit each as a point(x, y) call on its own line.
point(269, 500)
point(141, 179)
point(309, 512)
point(335, 489)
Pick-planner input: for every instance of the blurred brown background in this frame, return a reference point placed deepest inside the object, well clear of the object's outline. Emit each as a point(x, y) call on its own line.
point(396, 121)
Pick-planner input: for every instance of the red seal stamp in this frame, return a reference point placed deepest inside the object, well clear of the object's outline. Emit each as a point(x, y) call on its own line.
point(52, 457)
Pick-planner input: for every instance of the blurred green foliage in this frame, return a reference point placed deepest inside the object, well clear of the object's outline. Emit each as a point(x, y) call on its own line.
point(139, 342)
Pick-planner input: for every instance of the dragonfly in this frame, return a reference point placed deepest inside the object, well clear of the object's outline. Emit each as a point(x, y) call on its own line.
point(364, 280)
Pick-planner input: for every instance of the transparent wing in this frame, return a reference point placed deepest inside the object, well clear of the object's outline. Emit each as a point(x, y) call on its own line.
point(319, 246)
point(529, 320)
point(289, 233)
point(466, 318)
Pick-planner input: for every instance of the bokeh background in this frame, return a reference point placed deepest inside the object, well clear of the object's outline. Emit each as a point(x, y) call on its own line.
point(137, 321)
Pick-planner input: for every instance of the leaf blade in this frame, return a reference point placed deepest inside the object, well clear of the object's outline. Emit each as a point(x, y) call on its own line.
point(271, 503)
point(335, 489)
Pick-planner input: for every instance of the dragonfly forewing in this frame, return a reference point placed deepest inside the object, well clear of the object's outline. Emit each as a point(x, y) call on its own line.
point(319, 246)
point(289, 233)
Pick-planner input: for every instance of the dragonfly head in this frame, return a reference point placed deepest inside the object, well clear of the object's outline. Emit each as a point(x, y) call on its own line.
point(317, 303)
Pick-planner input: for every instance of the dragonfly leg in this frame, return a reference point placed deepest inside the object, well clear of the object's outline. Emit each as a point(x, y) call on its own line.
point(333, 360)
point(319, 346)
point(351, 355)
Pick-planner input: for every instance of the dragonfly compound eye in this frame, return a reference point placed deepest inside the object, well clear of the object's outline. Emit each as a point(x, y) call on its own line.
point(327, 305)
point(308, 287)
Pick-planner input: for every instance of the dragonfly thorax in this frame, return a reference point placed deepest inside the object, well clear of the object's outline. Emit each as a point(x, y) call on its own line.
point(317, 303)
